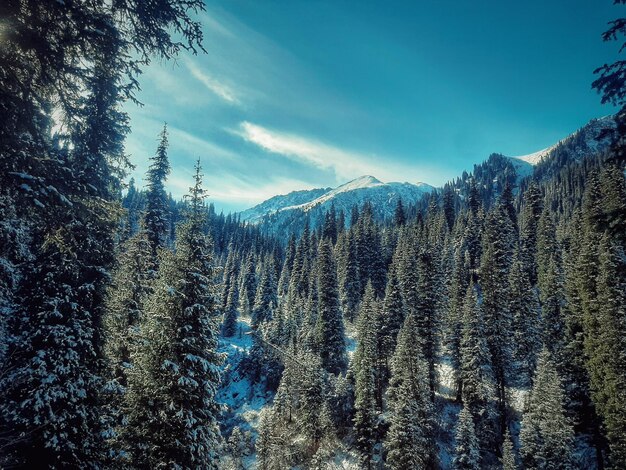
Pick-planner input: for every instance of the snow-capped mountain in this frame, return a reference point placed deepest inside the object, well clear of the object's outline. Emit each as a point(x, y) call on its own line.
point(382, 196)
point(276, 203)
point(291, 210)
point(590, 139)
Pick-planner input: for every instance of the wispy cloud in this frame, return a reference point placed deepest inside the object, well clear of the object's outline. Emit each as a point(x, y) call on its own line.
point(218, 88)
point(194, 145)
point(346, 164)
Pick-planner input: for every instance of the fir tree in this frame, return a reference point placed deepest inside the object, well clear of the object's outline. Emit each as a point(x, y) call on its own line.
point(156, 218)
point(265, 300)
point(496, 260)
point(477, 376)
point(329, 330)
point(607, 362)
point(348, 274)
point(391, 320)
point(524, 308)
point(171, 405)
point(466, 452)
point(229, 324)
point(508, 453)
point(248, 286)
point(425, 313)
point(528, 230)
point(546, 435)
point(399, 217)
point(410, 442)
point(365, 358)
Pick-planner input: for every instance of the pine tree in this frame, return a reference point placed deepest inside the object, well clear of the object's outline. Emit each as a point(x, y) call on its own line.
point(425, 313)
point(528, 230)
point(285, 275)
point(410, 442)
point(546, 435)
point(229, 324)
point(55, 362)
point(313, 414)
point(329, 229)
point(498, 242)
point(466, 452)
point(248, 286)
point(65, 188)
point(365, 358)
point(549, 276)
point(524, 308)
point(600, 287)
point(607, 364)
point(265, 300)
point(171, 407)
point(348, 274)
point(125, 303)
point(449, 209)
point(453, 322)
point(263, 445)
point(477, 375)
point(156, 218)
point(399, 217)
point(329, 329)
point(508, 453)
point(611, 84)
point(391, 320)
point(229, 276)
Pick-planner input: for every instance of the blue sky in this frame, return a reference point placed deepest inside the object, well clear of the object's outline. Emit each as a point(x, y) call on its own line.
point(302, 94)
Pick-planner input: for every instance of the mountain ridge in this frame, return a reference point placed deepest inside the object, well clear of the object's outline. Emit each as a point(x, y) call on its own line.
point(343, 197)
point(283, 210)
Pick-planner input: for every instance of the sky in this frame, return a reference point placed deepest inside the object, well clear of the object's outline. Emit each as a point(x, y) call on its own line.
point(298, 94)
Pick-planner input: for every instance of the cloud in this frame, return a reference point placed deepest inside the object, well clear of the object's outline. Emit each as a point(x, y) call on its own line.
point(220, 89)
point(345, 163)
point(194, 145)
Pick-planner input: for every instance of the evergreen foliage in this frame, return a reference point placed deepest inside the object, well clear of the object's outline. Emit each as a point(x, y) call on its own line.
point(410, 442)
point(466, 453)
point(170, 405)
point(546, 435)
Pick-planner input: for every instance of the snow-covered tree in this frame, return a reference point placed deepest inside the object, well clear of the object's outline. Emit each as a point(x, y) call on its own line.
point(170, 405)
point(265, 300)
point(365, 360)
point(508, 453)
point(329, 329)
point(410, 441)
point(477, 376)
point(546, 435)
point(466, 451)
point(156, 218)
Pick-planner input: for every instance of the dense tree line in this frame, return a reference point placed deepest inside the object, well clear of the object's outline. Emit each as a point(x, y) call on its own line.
point(519, 298)
point(113, 301)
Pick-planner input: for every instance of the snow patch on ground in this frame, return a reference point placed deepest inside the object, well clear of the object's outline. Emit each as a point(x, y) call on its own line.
point(350, 339)
point(448, 416)
point(446, 375)
point(242, 400)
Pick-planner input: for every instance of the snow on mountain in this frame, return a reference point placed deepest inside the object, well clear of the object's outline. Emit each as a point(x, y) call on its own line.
point(382, 196)
point(276, 203)
point(291, 209)
point(536, 157)
point(592, 138)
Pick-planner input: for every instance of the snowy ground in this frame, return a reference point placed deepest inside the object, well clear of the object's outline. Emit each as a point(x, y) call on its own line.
point(350, 339)
point(242, 401)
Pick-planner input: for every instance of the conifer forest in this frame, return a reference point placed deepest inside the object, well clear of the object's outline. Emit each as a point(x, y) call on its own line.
point(479, 324)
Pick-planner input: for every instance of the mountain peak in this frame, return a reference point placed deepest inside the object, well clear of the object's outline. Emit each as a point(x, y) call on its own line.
point(365, 181)
point(593, 137)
